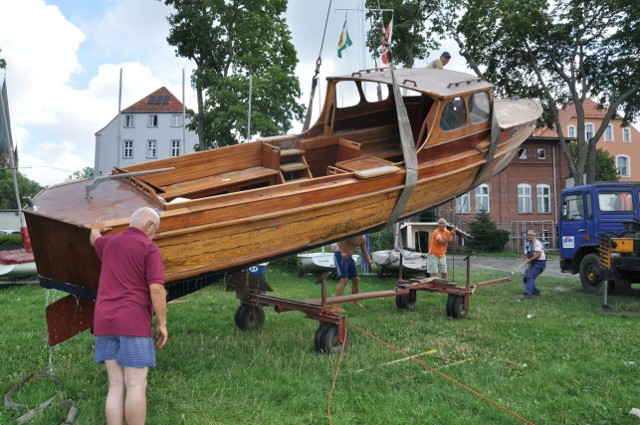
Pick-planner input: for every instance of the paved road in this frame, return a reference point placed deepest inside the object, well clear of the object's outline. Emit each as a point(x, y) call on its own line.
point(509, 264)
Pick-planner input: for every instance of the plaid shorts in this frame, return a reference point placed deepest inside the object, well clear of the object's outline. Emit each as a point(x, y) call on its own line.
point(127, 351)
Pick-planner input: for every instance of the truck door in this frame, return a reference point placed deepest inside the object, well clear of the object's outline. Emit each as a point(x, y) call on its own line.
point(574, 218)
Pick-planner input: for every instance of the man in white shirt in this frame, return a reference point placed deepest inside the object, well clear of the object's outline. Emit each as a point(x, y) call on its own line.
point(537, 261)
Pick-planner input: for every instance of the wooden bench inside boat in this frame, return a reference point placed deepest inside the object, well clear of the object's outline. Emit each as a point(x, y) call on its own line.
point(382, 141)
point(366, 167)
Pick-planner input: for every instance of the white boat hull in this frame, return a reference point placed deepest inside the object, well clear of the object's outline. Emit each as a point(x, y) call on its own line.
point(416, 262)
point(11, 271)
point(319, 262)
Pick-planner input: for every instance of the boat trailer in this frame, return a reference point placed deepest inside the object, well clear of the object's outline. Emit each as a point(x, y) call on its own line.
point(332, 331)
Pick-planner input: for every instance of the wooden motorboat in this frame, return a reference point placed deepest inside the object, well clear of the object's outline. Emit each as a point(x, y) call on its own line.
point(360, 167)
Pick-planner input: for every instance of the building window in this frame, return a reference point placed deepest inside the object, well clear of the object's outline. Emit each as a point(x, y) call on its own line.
point(608, 134)
point(543, 195)
point(524, 198)
point(176, 120)
point(482, 198)
point(127, 152)
point(152, 149)
point(152, 121)
point(522, 153)
point(129, 121)
point(571, 132)
point(588, 131)
point(626, 135)
point(462, 204)
point(623, 166)
point(542, 153)
point(175, 148)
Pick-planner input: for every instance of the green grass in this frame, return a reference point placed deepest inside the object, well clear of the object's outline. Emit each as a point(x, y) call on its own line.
point(552, 360)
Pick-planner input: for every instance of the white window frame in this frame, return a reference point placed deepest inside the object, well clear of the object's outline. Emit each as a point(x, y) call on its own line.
point(176, 148)
point(483, 200)
point(524, 198)
point(626, 135)
point(541, 153)
point(152, 120)
point(462, 204)
point(129, 121)
point(543, 198)
point(571, 132)
point(589, 131)
point(623, 170)
point(608, 133)
point(152, 148)
point(176, 120)
point(127, 149)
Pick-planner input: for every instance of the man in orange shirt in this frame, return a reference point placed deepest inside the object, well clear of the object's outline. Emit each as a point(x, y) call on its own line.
point(440, 238)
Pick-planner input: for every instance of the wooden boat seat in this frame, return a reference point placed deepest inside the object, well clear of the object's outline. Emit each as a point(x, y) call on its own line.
point(231, 181)
point(382, 141)
point(368, 166)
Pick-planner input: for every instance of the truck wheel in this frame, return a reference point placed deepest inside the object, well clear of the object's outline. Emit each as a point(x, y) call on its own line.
point(590, 274)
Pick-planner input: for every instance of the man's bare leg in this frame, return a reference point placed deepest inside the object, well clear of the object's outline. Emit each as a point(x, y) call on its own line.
point(135, 405)
point(114, 405)
point(355, 289)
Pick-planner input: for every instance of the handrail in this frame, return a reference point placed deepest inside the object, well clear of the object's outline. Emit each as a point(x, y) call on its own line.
point(96, 181)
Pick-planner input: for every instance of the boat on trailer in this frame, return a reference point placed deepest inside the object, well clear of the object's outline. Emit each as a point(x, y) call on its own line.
point(362, 166)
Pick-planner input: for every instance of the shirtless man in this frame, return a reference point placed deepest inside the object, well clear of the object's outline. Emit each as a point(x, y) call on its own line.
point(346, 267)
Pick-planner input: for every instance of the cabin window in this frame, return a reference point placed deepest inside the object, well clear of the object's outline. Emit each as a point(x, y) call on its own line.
point(152, 148)
point(479, 107)
point(462, 204)
point(626, 135)
point(622, 166)
point(454, 114)
point(347, 94)
point(615, 201)
point(127, 151)
point(543, 196)
point(175, 148)
point(482, 198)
point(522, 153)
point(129, 121)
point(571, 132)
point(524, 198)
point(374, 92)
point(572, 208)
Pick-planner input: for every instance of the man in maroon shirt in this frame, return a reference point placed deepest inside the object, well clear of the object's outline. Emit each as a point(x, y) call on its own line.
point(131, 288)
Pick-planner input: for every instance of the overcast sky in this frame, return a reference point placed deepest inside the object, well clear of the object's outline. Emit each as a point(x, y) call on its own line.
point(64, 59)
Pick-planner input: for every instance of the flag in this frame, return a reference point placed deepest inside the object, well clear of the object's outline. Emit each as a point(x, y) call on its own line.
point(386, 42)
point(344, 41)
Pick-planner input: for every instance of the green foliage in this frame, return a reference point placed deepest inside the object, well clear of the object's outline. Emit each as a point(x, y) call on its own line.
point(26, 187)
point(10, 240)
point(418, 27)
point(85, 173)
point(561, 52)
point(485, 235)
point(236, 45)
point(605, 164)
point(3, 62)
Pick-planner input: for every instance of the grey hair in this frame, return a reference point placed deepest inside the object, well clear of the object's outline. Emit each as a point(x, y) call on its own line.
point(142, 215)
point(443, 220)
point(531, 232)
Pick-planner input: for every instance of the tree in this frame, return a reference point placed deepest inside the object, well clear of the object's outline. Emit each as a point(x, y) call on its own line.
point(3, 63)
point(26, 187)
point(85, 173)
point(605, 164)
point(485, 235)
point(561, 52)
point(234, 44)
point(416, 23)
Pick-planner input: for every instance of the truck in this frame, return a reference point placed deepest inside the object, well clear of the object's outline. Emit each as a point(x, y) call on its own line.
point(599, 235)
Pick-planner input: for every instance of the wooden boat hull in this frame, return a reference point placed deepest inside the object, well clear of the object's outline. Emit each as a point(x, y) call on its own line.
point(237, 206)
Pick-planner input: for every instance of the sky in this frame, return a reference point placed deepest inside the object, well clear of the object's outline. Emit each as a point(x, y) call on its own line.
point(64, 60)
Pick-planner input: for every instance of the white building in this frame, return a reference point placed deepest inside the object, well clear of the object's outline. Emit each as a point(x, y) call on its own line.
point(150, 129)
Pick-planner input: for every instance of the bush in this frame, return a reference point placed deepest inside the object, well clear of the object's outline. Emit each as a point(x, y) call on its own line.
point(485, 235)
point(7, 241)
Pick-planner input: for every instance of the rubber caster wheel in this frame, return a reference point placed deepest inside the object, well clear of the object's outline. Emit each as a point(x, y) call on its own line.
point(455, 307)
point(249, 318)
point(327, 339)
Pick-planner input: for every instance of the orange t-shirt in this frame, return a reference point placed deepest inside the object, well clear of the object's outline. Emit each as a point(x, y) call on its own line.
point(435, 247)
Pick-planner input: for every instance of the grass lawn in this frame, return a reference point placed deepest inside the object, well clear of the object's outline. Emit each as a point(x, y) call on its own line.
point(555, 359)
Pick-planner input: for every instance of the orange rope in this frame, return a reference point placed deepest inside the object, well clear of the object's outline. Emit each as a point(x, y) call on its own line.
point(335, 379)
point(414, 359)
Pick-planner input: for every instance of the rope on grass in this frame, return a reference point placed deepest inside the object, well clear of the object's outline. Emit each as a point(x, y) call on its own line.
point(432, 369)
point(335, 379)
point(10, 404)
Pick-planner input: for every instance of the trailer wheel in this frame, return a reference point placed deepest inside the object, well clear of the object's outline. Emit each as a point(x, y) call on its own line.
point(406, 302)
point(590, 274)
point(455, 307)
point(327, 337)
point(249, 318)
point(318, 334)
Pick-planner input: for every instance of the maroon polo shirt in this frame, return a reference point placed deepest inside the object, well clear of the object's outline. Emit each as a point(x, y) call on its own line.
point(130, 263)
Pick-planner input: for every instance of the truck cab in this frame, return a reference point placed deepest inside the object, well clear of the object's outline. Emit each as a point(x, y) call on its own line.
point(587, 213)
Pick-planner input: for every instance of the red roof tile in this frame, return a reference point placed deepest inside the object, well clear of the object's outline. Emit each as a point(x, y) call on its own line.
point(159, 101)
